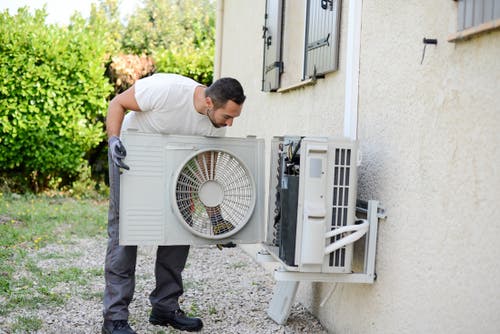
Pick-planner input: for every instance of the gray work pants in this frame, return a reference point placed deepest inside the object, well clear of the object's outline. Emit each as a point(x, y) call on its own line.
point(119, 268)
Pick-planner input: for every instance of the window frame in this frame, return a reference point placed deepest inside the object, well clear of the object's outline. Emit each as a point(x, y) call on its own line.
point(289, 69)
point(470, 24)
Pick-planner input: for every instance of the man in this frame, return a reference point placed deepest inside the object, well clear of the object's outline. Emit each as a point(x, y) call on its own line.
point(162, 103)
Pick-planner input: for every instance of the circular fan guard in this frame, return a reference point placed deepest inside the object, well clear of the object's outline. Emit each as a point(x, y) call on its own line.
point(214, 194)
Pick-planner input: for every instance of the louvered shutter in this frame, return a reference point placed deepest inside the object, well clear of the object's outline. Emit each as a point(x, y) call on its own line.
point(272, 46)
point(472, 13)
point(322, 37)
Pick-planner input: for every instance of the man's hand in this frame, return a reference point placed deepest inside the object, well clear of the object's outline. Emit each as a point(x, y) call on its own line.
point(118, 152)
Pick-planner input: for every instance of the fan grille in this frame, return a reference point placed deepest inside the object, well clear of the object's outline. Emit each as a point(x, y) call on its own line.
point(214, 194)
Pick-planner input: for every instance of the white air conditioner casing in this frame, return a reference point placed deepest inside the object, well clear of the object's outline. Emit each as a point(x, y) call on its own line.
point(307, 202)
point(148, 212)
point(325, 192)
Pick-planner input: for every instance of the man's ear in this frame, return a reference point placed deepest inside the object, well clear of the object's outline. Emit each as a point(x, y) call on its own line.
point(209, 102)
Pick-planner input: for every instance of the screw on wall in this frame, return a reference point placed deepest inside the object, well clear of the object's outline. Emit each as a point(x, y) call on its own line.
point(427, 41)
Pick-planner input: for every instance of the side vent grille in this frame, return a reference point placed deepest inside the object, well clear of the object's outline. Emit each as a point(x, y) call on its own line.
point(341, 186)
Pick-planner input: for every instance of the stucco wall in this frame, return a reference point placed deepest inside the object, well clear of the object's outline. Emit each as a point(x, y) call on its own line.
point(430, 137)
point(304, 111)
point(430, 134)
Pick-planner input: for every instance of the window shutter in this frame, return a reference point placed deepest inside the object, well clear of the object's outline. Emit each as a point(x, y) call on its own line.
point(272, 46)
point(322, 37)
point(472, 13)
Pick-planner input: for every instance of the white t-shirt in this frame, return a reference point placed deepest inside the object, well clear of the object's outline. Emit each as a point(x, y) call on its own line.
point(167, 107)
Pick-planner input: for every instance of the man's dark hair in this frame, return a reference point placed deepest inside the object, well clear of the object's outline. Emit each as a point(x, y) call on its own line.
point(223, 90)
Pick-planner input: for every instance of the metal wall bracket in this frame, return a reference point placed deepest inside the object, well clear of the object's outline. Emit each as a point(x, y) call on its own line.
point(288, 281)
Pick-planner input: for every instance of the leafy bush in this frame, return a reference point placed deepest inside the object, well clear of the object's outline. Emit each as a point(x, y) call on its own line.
point(52, 96)
point(124, 70)
point(54, 89)
point(179, 35)
point(188, 61)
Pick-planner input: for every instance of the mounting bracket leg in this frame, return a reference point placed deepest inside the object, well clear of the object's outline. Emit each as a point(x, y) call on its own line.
point(283, 297)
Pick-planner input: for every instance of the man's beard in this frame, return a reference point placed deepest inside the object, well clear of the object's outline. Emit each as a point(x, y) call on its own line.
point(213, 122)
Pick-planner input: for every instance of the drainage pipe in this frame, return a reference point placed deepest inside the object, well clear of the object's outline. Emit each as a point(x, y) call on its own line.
point(352, 69)
point(219, 27)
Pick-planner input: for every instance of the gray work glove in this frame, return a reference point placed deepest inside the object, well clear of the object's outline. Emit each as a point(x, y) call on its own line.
point(118, 152)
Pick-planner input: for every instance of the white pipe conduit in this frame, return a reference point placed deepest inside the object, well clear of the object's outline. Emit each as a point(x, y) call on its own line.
point(358, 229)
point(352, 69)
point(219, 34)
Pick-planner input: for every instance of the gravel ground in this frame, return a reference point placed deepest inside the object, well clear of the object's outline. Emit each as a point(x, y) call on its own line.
point(227, 289)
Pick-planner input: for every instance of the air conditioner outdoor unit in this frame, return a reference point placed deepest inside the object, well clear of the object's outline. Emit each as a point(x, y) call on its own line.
point(207, 190)
point(191, 190)
point(312, 203)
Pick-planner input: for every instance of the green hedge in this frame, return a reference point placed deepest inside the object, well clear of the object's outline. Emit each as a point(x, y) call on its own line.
point(178, 35)
point(53, 96)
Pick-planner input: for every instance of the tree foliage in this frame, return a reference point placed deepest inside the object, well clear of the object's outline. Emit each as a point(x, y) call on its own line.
point(105, 21)
point(124, 70)
point(54, 88)
point(179, 35)
point(52, 94)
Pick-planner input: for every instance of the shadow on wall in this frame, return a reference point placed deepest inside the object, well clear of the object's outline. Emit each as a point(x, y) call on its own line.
point(371, 172)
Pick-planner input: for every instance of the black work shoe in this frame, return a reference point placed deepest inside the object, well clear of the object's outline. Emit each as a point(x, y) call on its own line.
point(117, 327)
point(176, 319)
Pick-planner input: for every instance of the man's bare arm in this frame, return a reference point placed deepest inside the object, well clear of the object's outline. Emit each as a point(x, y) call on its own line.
point(116, 111)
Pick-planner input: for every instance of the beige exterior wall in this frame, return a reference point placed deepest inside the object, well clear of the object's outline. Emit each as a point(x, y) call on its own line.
point(430, 140)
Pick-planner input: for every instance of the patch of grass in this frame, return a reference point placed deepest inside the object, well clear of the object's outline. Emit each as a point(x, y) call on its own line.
point(189, 284)
point(29, 222)
point(32, 302)
point(51, 256)
point(92, 295)
point(212, 310)
point(193, 311)
point(33, 221)
point(70, 274)
point(27, 324)
point(97, 272)
point(36, 287)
